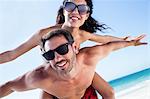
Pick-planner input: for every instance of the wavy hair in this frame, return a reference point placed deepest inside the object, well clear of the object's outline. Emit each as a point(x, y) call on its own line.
point(90, 25)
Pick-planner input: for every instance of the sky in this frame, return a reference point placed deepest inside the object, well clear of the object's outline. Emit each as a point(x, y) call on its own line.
point(19, 19)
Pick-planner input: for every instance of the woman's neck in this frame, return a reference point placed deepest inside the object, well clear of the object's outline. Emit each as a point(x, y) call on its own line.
point(75, 33)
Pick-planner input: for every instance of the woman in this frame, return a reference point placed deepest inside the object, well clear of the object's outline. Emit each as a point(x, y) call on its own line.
point(75, 16)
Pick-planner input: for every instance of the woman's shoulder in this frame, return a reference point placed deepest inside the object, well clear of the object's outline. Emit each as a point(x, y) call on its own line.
point(84, 34)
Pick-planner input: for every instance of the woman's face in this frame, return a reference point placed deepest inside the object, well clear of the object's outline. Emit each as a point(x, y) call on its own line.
point(75, 12)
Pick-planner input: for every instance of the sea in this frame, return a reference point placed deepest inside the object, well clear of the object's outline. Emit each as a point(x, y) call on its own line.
point(133, 86)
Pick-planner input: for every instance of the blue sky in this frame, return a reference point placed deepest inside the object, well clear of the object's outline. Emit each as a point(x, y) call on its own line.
point(19, 19)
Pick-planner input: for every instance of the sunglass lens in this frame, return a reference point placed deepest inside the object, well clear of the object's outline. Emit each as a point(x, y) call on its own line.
point(49, 55)
point(63, 49)
point(69, 6)
point(83, 9)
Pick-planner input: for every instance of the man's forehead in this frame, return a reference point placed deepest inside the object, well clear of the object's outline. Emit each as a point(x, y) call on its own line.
point(55, 42)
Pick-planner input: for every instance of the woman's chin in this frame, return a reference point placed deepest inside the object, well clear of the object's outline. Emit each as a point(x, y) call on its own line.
point(75, 26)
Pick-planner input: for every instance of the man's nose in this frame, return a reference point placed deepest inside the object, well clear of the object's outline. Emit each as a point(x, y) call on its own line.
point(58, 57)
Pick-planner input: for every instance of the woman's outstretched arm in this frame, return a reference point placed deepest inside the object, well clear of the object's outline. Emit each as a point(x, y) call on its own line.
point(32, 42)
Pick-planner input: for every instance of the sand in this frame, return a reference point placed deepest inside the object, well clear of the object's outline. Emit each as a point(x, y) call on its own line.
point(139, 91)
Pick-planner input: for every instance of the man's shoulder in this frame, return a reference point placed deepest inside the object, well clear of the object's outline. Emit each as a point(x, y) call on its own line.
point(83, 55)
point(38, 74)
point(89, 55)
point(86, 50)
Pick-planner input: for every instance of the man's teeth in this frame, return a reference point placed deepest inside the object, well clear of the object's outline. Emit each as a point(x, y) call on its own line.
point(62, 63)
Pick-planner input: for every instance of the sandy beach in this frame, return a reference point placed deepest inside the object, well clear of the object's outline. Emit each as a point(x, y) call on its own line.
point(139, 91)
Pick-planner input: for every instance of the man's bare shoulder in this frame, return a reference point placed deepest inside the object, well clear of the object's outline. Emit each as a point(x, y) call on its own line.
point(38, 74)
point(89, 55)
point(86, 50)
point(83, 54)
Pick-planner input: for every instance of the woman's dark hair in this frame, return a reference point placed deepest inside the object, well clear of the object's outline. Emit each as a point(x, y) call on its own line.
point(90, 25)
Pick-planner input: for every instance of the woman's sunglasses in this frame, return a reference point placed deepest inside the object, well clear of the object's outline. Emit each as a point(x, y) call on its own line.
point(62, 50)
point(82, 9)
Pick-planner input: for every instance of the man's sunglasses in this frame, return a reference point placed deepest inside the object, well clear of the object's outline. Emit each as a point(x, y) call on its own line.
point(82, 8)
point(62, 50)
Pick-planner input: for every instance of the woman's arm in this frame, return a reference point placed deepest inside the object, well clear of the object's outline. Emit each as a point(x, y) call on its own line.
point(26, 46)
point(105, 38)
point(103, 88)
point(23, 48)
point(102, 38)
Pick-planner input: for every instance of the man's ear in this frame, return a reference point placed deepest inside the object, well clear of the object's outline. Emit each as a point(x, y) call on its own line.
point(75, 47)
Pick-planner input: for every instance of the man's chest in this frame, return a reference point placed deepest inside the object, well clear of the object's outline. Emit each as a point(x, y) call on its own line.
point(73, 88)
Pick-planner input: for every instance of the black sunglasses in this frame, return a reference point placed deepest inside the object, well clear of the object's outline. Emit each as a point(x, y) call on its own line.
point(70, 6)
point(62, 50)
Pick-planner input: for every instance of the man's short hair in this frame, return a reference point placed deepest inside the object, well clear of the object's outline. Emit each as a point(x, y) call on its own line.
point(56, 33)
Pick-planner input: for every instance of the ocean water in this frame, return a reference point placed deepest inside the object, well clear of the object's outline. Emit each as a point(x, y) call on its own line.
point(132, 82)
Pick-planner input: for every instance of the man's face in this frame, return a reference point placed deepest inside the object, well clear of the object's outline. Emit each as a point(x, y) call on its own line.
point(65, 62)
point(77, 16)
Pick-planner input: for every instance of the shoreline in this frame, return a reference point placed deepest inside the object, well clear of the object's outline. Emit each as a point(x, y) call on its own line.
point(138, 91)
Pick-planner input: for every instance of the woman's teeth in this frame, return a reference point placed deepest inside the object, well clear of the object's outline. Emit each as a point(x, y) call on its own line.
point(74, 18)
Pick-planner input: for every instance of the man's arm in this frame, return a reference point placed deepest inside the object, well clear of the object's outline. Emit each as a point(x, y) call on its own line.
point(18, 84)
point(98, 52)
point(28, 81)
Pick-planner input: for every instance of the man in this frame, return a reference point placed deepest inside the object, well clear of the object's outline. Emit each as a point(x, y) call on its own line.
point(66, 73)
